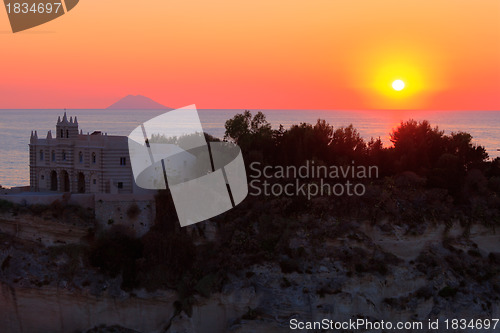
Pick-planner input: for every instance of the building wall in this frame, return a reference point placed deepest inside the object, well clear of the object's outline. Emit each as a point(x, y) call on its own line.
point(97, 165)
point(113, 210)
point(116, 173)
point(109, 210)
point(82, 200)
point(92, 163)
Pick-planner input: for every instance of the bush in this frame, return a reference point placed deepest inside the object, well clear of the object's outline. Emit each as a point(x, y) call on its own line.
point(205, 285)
point(6, 206)
point(116, 252)
point(38, 209)
point(74, 252)
point(448, 292)
point(133, 211)
point(289, 266)
point(176, 251)
point(424, 292)
point(252, 314)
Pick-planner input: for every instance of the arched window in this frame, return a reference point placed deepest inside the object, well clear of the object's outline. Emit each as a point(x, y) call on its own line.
point(80, 157)
point(53, 156)
point(41, 155)
point(64, 155)
point(62, 134)
point(67, 133)
point(94, 158)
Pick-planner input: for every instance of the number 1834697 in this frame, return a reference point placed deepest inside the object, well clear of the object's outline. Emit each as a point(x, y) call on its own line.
point(472, 324)
point(33, 8)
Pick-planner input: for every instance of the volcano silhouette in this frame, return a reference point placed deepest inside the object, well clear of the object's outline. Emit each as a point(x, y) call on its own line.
point(35, 13)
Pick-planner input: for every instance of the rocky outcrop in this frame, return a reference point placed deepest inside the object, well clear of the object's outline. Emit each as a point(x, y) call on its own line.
point(43, 229)
point(57, 310)
point(357, 270)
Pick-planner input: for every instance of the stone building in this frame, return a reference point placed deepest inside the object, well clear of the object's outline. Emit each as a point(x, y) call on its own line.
point(79, 163)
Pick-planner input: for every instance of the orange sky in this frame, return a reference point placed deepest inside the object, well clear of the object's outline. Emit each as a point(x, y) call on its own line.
point(321, 54)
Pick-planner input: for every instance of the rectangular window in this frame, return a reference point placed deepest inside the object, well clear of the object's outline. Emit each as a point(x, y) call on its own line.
point(123, 161)
point(53, 156)
point(41, 155)
point(95, 181)
point(120, 185)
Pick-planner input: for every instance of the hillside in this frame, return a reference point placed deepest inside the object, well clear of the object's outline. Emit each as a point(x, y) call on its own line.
point(137, 102)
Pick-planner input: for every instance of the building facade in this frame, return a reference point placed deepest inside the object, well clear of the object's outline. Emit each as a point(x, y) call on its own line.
point(75, 162)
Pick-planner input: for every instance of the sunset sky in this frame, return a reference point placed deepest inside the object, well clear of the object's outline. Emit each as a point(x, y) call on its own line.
point(321, 54)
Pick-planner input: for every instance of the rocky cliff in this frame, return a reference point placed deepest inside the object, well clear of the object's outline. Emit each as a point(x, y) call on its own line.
point(438, 274)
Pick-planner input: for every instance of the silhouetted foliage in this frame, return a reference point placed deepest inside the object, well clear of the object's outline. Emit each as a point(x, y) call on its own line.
point(443, 160)
point(348, 145)
point(169, 251)
point(417, 146)
point(250, 133)
point(116, 252)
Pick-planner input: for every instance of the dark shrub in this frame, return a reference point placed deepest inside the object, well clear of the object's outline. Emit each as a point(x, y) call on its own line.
point(6, 206)
point(289, 266)
point(424, 292)
point(448, 292)
point(133, 211)
point(175, 251)
point(116, 252)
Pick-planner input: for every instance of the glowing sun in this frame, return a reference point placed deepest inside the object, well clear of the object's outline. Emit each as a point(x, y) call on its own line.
point(398, 85)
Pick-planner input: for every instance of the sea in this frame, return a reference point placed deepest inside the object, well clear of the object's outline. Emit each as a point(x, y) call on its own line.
point(16, 127)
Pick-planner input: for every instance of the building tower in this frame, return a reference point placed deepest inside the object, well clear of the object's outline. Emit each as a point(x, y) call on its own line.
point(66, 129)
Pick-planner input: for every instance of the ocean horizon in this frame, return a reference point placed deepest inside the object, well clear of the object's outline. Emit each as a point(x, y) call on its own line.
point(16, 126)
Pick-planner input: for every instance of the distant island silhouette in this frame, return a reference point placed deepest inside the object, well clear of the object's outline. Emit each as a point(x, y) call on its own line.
point(137, 102)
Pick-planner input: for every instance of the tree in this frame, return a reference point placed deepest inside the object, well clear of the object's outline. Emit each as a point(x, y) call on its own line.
point(460, 144)
point(417, 146)
point(242, 126)
point(252, 134)
point(347, 144)
point(297, 144)
point(238, 127)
